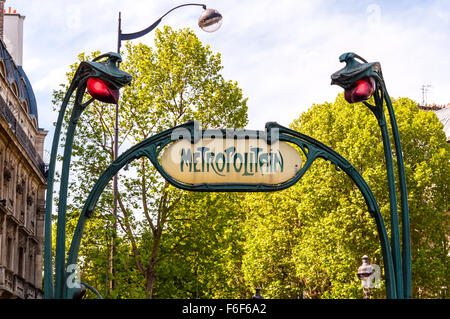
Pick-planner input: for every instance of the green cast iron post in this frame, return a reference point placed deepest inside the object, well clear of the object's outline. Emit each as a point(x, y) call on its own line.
point(48, 265)
point(346, 78)
point(106, 70)
point(406, 235)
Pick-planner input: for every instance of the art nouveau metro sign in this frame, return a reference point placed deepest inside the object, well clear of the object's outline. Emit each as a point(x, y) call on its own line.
point(225, 160)
point(232, 160)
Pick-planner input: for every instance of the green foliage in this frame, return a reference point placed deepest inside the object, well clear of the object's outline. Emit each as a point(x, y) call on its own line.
point(310, 238)
point(203, 248)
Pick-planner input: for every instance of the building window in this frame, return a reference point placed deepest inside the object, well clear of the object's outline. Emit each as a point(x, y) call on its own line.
point(11, 188)
point(31, 269)
point(20, 200)
point(31, 210)
point(20, 270)
point(6, 175)
point(6, 179)
point(9, 248)
point(1, 233)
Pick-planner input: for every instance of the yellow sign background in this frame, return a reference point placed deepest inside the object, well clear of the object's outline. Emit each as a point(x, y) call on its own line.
point(227, 161)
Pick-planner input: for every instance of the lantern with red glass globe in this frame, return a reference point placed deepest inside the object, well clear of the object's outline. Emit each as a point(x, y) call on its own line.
point(361, 90)
point(357, 79)
point(101, 90)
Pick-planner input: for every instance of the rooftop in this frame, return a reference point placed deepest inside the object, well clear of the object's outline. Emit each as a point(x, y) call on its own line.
point(16, 76)
point(444, 116)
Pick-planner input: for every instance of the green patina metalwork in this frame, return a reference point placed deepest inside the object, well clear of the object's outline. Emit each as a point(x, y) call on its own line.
point(108, 71)
point(311, 148)
point(396, 285)
point(345, 77)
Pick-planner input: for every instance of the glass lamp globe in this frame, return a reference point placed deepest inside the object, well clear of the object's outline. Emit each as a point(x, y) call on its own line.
point(102, 90)
point(210, 20)
point(365, 272)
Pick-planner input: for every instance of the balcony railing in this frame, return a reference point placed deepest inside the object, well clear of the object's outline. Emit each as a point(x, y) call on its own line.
point(21, 136)
point(13, 286)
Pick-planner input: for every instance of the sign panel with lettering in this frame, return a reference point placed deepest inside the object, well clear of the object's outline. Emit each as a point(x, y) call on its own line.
point(231, 161)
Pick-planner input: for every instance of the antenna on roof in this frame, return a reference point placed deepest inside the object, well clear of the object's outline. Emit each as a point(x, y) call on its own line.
point(425, 90)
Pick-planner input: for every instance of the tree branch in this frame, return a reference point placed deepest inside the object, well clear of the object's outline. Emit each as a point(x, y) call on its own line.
point(127, 229)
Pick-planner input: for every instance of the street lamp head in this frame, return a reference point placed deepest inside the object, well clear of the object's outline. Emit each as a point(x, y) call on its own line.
point(103, 77)
point(102, 90)
point(210, 20)
point(365, 270)
point(257, 294)
point(361, 90)
point(356, 78)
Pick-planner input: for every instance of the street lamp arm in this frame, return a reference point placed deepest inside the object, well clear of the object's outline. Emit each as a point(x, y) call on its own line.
point(135, 35)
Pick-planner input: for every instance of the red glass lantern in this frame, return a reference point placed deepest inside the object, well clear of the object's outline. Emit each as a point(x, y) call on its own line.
point(102, 90)
point(361, 90)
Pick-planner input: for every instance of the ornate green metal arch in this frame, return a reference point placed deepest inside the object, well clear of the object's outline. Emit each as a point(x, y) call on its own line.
point(312, 149)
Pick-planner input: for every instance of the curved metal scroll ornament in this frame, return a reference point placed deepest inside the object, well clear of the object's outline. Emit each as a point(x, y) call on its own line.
point(106, 70)
point(312, 149)
point(346, 77)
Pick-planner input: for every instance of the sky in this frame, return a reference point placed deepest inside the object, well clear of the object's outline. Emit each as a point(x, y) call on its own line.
point(281, 52)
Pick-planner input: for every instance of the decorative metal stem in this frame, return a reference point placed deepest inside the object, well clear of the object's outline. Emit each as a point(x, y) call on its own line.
point(61, 230)
point(48, 263)
point(395, 234)
point(406, 236)
point(108, 71)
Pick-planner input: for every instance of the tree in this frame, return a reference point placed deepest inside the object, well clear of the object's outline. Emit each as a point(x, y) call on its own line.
point(176, 81)
point(312, 236)
point(201, 255)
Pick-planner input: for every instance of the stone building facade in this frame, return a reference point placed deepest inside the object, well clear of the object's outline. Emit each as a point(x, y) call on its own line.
point(22, 171)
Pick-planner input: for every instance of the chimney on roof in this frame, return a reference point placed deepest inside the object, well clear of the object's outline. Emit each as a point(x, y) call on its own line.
point(13, 33)
point(2, 7)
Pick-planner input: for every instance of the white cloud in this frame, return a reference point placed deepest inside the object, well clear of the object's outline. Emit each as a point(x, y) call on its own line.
point(51, 80)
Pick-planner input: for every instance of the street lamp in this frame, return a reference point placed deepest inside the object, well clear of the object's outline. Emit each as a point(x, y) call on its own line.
point(258, 294)
point(102, 78)
point(365, 272)
point(210, 20)
point(361, 81)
